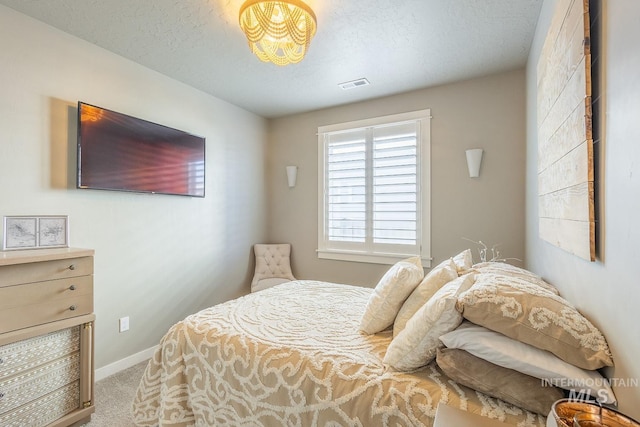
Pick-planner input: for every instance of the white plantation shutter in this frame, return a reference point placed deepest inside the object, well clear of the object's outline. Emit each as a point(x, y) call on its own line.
point(395, 185)
point(347, 187)
point(373, 178)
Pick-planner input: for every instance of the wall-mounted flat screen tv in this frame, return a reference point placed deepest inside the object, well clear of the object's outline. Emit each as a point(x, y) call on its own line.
point(124, 153)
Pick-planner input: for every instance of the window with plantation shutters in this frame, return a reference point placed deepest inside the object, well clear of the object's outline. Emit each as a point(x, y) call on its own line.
point(374, 189)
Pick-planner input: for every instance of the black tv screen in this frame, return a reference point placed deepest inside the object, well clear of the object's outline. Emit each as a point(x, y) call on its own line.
point(124, 153)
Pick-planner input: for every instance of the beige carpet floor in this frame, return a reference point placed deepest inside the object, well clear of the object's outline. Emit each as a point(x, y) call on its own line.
point(113, 397)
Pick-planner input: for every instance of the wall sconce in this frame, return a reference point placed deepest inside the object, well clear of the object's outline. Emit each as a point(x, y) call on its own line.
point(474, 159)
point(292, 172)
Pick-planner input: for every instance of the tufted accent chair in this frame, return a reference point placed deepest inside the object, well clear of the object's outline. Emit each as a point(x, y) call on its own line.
point(272, 266)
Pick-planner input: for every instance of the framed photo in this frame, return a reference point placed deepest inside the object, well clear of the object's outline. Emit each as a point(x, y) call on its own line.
point(53, 232)
point(32, 232)
point(20, 232)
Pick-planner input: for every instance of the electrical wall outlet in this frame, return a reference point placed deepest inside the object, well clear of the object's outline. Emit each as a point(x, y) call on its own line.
point(124, 324)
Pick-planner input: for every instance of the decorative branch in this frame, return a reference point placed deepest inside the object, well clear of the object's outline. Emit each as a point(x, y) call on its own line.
point(496, 256)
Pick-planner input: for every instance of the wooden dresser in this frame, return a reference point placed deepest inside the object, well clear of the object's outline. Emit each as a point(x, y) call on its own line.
point(46, 337)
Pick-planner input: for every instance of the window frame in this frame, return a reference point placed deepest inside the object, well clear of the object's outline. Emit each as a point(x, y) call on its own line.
point(325, 251)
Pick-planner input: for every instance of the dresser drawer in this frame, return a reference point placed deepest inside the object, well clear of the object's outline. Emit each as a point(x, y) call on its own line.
point(41, 292)
point(45, 410)
point(15, 274)
point(27, 386)
point(27, 354)
point(42, 302)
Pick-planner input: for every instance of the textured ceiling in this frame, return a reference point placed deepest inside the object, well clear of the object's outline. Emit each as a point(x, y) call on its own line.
point(398, 45)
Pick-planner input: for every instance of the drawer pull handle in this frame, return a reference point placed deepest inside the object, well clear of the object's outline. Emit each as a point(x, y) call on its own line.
point(73, 307)
point(72, 287)
point(72, 267)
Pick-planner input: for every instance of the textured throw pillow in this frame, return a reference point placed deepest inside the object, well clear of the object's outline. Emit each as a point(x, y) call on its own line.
point(509, 353)
point(440, 275)
point(513, 271)
point(389, 294)
point(416, 345)
point(463, 261)
point(528, 313)
point(506, 384)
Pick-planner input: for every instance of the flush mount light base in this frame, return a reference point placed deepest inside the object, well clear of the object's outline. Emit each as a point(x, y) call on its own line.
point(278, 31)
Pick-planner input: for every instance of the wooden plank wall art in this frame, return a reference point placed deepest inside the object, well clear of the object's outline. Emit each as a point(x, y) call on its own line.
point(565, 137)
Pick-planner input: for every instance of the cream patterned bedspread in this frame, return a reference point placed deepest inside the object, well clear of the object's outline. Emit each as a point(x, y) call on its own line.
point(292, 356)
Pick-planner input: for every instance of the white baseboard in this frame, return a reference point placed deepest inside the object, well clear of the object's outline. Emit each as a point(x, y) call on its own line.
point(123, 364)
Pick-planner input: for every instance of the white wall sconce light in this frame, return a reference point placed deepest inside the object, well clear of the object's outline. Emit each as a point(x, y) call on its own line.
point(474, 159)
point(292, 172)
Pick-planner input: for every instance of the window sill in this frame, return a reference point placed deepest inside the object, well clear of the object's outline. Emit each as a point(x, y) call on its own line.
point(350, 256)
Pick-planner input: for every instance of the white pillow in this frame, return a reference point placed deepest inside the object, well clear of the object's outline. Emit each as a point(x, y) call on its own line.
point(440, 275)
point(418, 342)
point(389, 294)
point(463, 261)
point(509, 353)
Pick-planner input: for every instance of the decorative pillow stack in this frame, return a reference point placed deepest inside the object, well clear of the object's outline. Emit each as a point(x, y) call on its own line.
point(521, 342)
point(523, 330)
point(419, 310)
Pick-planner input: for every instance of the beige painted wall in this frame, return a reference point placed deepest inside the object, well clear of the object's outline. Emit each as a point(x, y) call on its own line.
point(487, 112)
point(607, 290)
point(158, 258)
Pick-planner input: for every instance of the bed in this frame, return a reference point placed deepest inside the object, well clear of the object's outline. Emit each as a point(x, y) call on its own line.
point(293, 355)
point(490, 338)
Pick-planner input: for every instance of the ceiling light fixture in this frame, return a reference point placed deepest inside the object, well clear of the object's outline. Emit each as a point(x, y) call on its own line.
point(278, 31)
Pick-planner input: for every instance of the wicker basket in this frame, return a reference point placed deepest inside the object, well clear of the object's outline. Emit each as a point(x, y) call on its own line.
point(564, 410)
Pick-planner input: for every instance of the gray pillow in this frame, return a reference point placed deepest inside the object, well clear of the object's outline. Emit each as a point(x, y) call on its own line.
point(506, 384)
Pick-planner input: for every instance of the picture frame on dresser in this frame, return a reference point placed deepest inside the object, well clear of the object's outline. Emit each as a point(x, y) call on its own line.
point(33, 232)
point(20, 232)
point(53, 231)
